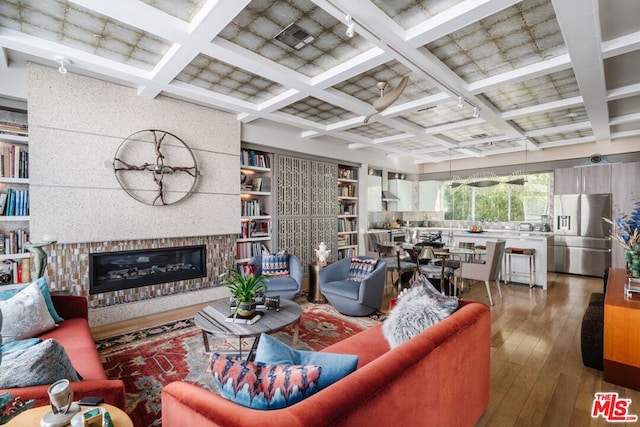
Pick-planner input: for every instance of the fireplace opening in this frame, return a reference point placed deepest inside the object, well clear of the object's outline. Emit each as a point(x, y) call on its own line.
point(114, 271)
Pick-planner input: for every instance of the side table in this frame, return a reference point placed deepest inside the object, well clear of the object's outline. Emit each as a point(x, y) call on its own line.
point(315, 296)
point(31, 417)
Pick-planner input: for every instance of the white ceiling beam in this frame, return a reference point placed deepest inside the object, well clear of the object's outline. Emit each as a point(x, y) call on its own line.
point(621, 45)
point(453, 19)
point(571, 127)
point(527, 72)
point(623, 92)
point(579, 22)
point(543, 108)
point(4, 59)
point(351, 68)
point(624, 119)
point(565, 142)
point(625, 134)
point(208, 97)
point(452, 126)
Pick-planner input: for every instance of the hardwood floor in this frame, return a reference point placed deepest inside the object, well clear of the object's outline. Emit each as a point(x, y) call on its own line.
point(537, 375)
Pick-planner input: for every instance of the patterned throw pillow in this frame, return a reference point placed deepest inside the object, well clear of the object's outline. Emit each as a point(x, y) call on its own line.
point(275, 264)
point(43, 363)
point(415, 311)
point(360, 268)
point(8, 291)
point(25, 315)
point(259, 386)
point(334, 366)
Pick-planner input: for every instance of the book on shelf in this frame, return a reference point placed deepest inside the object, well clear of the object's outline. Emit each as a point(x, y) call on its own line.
point(256, 184)
point(245, 320)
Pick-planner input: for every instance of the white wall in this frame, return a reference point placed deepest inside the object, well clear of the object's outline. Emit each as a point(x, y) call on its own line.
point(75, 127)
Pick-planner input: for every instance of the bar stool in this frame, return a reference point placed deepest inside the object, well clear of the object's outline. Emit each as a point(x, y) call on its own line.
point(520, 252)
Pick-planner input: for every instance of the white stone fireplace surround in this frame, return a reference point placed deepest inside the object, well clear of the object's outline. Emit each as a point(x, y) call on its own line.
point(76, 124)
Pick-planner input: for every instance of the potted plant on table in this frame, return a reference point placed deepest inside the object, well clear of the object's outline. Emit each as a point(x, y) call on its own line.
point(244, 289)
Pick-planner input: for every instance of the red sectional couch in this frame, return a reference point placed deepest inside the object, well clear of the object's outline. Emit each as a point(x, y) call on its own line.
point(75, 336)
point(438, 378)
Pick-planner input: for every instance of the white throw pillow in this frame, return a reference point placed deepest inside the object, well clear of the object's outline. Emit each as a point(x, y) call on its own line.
point(25, 315)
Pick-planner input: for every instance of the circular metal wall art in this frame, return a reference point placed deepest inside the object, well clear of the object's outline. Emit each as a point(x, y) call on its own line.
point(156, 167)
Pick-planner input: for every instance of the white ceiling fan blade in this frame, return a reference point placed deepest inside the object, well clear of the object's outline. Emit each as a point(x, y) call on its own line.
point(390, 97)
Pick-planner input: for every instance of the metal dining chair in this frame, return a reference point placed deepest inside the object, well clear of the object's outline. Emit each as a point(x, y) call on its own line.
point(404, 265)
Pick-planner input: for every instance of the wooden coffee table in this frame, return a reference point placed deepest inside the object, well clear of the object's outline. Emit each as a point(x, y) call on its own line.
point(212, 321)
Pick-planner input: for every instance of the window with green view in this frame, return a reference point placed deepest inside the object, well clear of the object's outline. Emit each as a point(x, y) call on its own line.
point(500, 202)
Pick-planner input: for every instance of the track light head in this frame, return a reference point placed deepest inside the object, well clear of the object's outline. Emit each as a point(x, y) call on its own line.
point(351, 27)
point(62, 60)
point(475, 112)
point(460, 103)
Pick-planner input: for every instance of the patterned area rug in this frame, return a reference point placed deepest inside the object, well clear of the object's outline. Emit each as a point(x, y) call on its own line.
point(148, 359)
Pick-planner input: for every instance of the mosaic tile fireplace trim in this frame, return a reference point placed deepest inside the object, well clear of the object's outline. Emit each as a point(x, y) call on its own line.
point(68, 268)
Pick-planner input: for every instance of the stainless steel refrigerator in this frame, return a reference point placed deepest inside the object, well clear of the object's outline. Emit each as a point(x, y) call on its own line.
point(582, 239)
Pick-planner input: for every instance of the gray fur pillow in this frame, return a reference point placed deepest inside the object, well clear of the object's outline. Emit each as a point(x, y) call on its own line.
point(415, 311)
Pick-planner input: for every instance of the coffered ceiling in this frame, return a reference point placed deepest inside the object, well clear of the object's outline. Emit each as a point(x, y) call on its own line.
point(540, 73)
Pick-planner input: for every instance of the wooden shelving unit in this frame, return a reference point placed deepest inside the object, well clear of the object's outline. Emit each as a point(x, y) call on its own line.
point(256, 204)
point(347, 211)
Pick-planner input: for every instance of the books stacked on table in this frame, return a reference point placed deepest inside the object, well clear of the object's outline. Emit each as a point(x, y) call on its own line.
point(248, 320)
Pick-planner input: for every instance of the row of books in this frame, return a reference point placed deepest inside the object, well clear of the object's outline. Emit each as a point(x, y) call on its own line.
point(14, 162)
point(16, 271)
point(250, 229)
point(347, 224)
point(252, 208)
point(261, 184)
point(347, 240)
point(249, 249)
point(12, 242)
point(255, 158)
point(8, 128)
point(14, 203)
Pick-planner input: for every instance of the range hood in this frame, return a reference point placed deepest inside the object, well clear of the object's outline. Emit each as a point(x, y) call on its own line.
point(387, 196)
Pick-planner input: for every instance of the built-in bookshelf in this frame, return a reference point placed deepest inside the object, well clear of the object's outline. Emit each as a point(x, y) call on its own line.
point(347, 211)
point(256, 228)
point(14, 198)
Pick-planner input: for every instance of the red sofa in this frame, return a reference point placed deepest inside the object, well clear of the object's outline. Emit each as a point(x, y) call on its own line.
point(75, 336)
point(438, 378)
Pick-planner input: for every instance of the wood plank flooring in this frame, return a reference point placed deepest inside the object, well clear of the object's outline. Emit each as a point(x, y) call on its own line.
point(537, 375)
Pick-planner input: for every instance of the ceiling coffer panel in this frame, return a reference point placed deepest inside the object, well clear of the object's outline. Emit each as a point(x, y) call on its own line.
point(563, 136)
point(374, 130)
point(256, 26)
point(181, 9)
point(217, 76)
point(317, 110)
point(553, 118)
point(472, 132)
point(410, 13)
point(439, 114)
point(75, 26)
point(520, 35)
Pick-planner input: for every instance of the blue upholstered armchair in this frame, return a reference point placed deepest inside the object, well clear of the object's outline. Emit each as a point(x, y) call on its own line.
point(285, 286)
point(351, 297)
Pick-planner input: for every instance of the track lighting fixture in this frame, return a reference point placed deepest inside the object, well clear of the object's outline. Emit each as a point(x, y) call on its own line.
point(460, 103)
point(475, 112)
point(351, 27)
point(62, 60)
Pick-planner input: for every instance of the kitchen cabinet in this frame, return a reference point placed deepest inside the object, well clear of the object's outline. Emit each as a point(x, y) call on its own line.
point(374, 193)
point(428, 195)
point(583, 180)
point(404, 190)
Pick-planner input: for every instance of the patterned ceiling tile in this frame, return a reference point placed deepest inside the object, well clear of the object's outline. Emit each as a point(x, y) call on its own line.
point(363, 86)
point(374, 130)
point(552, 118)
point(551, 87)
point(318, 111)
point(409, 13)
point(563, 136)
point(438, 115)
point(517, 36)
point(255, 27)
point(66, 23)
point(181, 9)
point(218, 76)
point(472, 132)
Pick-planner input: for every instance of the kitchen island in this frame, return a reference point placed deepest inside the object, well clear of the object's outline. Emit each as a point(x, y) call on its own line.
point(542, 242)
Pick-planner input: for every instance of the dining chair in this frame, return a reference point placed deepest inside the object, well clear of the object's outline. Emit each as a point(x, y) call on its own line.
point(403, 264)
point(489, 271)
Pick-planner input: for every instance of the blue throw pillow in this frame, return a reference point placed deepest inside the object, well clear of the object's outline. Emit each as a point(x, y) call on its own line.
point(5, 294)
point(334, 366)
point(260, 386)
point(275, 264)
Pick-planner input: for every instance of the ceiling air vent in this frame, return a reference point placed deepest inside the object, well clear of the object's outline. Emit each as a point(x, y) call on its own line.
point(294, 36)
